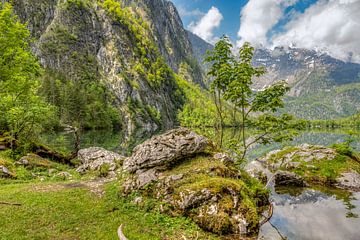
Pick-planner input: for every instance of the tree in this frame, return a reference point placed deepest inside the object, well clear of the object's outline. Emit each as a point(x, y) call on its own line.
point(233, 79)
point(220, 71)
point(23, 112)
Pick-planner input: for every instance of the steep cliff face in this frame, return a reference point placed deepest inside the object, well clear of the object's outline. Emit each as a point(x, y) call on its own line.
point(126, 45)
point(200, 47)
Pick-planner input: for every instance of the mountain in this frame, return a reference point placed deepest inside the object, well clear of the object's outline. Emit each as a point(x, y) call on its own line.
point(322, 87)
point(200, 47)
point(125, 47)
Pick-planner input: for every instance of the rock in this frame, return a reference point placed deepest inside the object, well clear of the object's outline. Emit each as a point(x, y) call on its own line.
point(166, 149)
point(258, 170)
point(176, 169)
point(223, 157)
point(291, 157)
point(206, 188)
point(283, 178)
point(64, 175)
point(32, 160)
point(5, 173)
point(94, 158)
point(349, 180)
point(23, 161)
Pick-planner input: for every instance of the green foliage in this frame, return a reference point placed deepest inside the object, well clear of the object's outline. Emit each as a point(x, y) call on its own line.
point(232, 81)
point(80, 103)
point(23, 112)
point(104, 170)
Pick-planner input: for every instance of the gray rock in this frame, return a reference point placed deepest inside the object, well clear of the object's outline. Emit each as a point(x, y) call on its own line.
point(4, 172)
point(302, 153)
point(23, 161)
point(166, 149)
point(349, 180)
point(64, 175)
point(94, 158)
point(223, 157)
point(283, 178)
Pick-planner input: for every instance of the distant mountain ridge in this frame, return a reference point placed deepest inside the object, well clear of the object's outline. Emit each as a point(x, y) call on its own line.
point(322, 87)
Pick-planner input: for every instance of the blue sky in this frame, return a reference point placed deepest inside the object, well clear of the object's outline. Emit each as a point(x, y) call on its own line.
point(229, 8)
point(325, 25)
point(193, 10)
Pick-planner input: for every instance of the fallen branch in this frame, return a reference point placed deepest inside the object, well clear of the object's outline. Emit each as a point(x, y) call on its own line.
point(9, 203)
point(121, 234)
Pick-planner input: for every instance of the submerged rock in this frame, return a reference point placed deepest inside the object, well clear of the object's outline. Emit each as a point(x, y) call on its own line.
point(94, 158)
point(178, 169)
point(308, 164)
point(283, 178)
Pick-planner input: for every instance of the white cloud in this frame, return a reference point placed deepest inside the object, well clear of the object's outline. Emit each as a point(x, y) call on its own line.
point(205, 27)
point(329, 25)
point(258, 17)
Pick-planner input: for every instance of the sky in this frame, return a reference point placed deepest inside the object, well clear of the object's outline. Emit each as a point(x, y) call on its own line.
point(327, 25)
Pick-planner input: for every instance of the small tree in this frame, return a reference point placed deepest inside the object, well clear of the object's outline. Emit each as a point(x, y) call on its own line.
point(233, 78)
point(221, 60)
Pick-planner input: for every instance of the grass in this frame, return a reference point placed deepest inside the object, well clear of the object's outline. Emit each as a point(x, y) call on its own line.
point(48, 212)
point(38, 169)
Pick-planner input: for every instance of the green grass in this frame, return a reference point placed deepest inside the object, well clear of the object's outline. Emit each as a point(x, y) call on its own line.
point(50, 212)
point(37, 171)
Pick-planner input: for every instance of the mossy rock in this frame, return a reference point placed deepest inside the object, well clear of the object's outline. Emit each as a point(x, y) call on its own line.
point(315, 164)
point(215, 195)
point(31, 161)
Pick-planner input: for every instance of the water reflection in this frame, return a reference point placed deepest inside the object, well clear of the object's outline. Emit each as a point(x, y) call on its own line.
point(313, 214)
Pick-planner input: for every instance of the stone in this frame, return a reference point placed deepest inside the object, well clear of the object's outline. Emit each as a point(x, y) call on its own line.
point(94, 158)
point(177, 169)
point(223, 157)
point(4, 172)
point(257, 169)
point(349, 180)
point(166, 149)
point(64, 175)
point(32, 160)
point(284, 178)
point(23, 161)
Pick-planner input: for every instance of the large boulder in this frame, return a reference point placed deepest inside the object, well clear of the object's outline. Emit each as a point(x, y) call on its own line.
point(165, 150)
point(179, 169)
point(94, 158)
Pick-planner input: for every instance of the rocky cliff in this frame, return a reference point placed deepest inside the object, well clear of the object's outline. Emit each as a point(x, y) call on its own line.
point(130, 46)
point(322, 87)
